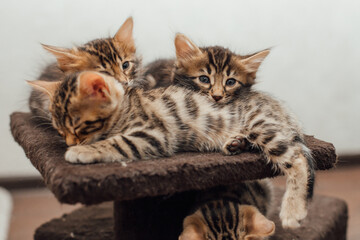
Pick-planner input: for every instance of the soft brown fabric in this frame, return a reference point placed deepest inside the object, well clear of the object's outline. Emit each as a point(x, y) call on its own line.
point(86, 223)
point(95, 183)
point(327, 220)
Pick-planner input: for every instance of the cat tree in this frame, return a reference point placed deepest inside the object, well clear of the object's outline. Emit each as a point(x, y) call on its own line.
point(151, 198)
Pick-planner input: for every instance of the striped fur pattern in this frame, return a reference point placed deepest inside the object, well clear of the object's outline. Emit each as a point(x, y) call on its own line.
point(114, 56)
point(234, 212)
point(111, 123)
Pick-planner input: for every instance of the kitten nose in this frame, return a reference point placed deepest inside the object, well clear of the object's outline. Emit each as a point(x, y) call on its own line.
point(217, 98)
point(70, 140)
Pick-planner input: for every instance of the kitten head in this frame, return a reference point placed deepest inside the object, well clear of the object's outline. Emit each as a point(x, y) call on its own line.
point(113, 56)
point(215, 71)
point(228, 221)
point(82, 105)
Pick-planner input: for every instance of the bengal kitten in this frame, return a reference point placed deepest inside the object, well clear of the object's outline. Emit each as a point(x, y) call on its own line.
point(225, 77)
point(235, 212)
point(113, 56)
point(115, 123)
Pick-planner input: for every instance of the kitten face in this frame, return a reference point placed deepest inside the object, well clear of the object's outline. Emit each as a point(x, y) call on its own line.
point(113, 56)
point(82, 105)
point(214, 71)
point(215, 221)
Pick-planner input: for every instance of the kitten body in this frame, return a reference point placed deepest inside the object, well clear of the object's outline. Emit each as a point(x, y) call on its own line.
point(222, 76)
point(160, 72)
point(234, 212)
point(113, 123)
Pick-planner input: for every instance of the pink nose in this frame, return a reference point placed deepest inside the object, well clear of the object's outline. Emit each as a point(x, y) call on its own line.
point(217, 98)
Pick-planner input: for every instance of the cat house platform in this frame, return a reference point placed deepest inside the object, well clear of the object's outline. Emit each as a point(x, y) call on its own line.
point(149, 196)
point(96, 222)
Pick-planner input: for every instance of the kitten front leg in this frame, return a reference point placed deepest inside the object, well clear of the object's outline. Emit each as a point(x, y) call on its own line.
point(115, 149)
point(134, 146)
point(97, 152)
point(82, 154)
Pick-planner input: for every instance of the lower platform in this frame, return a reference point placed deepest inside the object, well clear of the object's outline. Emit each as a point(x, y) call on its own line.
point(327, 220)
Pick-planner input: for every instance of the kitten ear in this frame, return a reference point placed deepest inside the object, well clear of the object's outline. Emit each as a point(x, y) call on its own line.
point(93, 86)
point(185, 48)
point(253, 62)
point(194, 228)
point(125, 34)
point(66, 58)
point(257, 225)
point(44, 86)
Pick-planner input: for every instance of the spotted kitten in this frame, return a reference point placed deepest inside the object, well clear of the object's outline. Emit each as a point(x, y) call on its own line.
point(235, 212)
point(112, 122)
point(225, 77)
point(113, 56)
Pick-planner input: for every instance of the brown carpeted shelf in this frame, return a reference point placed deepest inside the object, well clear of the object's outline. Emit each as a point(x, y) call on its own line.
point(95, 183)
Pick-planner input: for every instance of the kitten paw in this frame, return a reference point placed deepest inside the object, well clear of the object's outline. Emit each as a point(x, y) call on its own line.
point(236, 145)
point(82, 154)
point(292, 213)
point(290, 223)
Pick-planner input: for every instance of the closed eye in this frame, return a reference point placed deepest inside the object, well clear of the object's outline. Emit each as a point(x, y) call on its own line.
point(95, 121)
point(88, 127)
point(84, 123)
point(91, 129)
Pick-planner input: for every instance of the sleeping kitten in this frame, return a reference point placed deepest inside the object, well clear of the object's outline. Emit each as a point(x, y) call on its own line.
point(235, 212)
point(114, 123)
point(113, 56)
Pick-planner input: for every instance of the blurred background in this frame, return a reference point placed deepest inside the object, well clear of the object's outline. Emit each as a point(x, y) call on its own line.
point(313, 65)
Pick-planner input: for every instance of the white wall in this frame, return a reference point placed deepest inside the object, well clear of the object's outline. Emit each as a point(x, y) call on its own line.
point(313, 66)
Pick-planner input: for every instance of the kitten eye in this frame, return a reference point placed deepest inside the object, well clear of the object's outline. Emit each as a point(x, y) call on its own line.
point(230, 82)
point(204, 79)
point(125, 65)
